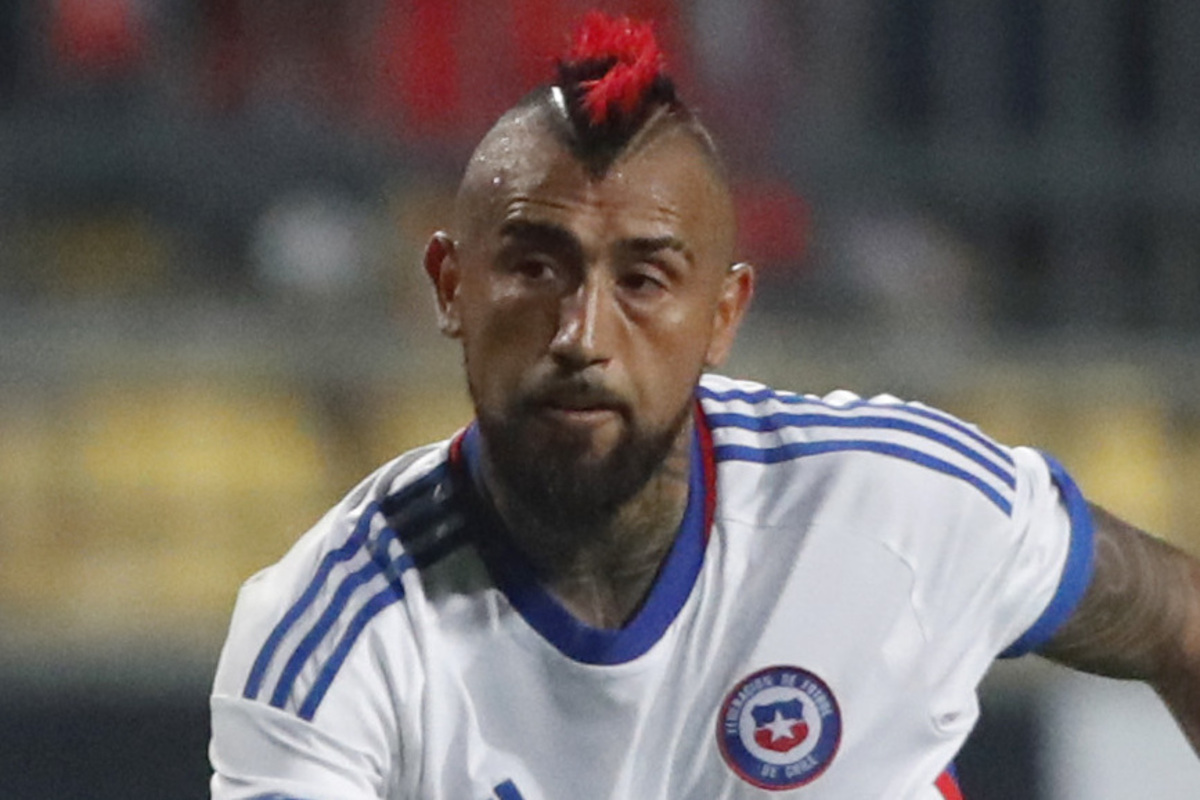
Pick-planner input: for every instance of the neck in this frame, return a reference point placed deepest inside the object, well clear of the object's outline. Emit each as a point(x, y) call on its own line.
point(602, 571)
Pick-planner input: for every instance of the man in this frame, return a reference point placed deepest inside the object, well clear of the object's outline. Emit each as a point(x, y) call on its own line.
point(626, 580)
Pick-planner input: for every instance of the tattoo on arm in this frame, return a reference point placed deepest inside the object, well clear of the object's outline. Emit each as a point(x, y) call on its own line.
point(1140, 618)
point(1139, 601)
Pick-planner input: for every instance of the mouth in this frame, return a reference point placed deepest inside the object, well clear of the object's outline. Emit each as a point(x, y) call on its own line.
point(589, 417)
point(584, 408)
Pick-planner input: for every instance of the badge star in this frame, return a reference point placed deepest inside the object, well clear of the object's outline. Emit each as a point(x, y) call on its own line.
point(780, 727)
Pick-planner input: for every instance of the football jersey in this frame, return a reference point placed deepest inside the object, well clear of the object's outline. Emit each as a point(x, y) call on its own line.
point(845, 572)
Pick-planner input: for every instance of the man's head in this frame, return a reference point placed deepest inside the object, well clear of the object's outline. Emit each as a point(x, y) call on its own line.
point(590, 279)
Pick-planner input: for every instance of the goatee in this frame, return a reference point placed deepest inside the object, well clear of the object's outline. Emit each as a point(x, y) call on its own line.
point(552, 475)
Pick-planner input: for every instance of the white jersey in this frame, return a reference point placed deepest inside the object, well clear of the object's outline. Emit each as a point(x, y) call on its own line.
point(845, 573)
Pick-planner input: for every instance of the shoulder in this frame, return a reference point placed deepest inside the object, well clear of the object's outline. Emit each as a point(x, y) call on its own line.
point(324, 646)
point(969, 516)
point(296, 622)
point(891, 445)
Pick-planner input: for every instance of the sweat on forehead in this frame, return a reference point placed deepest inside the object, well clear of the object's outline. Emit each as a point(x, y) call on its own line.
point(524, 142)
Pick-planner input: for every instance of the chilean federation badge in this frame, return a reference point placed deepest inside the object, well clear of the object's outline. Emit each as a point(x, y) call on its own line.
point(779, 728)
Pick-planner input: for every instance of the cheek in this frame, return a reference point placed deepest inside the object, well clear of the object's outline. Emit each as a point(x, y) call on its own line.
point(671, 363)
point(687, 330)
point(511, 323)
point(502, 334)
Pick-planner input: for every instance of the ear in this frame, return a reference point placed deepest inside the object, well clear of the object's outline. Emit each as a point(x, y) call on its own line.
point(441, 265)
point(737, 288)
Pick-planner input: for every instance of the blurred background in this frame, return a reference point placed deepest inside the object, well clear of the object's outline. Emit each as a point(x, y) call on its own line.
point(213, 320)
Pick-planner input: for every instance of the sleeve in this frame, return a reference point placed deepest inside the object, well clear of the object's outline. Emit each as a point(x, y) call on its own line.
point(994, 582)
point(259, 752)
point(1001, 584)
point(1077, 562)
point(260, 749)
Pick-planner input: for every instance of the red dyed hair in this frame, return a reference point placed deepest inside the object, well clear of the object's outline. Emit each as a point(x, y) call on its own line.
point(612, 76)
point(611, 84)
point(629, 54)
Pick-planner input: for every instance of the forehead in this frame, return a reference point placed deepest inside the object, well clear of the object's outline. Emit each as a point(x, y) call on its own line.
point(522, 170)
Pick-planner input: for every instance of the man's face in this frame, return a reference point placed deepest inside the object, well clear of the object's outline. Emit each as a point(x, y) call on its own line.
point(587, 307)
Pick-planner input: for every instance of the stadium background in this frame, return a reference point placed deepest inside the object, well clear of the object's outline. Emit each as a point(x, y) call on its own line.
point(212, 320)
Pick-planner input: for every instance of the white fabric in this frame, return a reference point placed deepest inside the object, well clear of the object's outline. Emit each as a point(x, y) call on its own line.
point(890, 552)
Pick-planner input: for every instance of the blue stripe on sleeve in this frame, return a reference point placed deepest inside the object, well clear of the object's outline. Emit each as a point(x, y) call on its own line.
point(331, 559)
point(392, 593)
point(347, 551)
point(797, 450)
point(774, 422)
point(1077, 571)
point(393, 503)
point(329, 617)
point(758, 396)
point(948, 420)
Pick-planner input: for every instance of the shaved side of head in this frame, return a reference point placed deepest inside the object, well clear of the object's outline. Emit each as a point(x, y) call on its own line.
point(539, 127)
point(612, 98)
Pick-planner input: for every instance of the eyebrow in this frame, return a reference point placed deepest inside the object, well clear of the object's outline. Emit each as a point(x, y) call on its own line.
point(645, 245)
point(542, 235)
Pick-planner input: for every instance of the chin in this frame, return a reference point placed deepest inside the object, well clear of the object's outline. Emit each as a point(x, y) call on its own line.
point(571, 476)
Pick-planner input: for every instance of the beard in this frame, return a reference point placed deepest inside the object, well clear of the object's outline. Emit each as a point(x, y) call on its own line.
point(553, 475)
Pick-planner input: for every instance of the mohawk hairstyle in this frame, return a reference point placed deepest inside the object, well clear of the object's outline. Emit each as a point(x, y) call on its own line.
point(610, 83)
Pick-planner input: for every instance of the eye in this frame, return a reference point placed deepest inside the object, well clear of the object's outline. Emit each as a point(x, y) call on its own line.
point(645, 281)
point(535, 268)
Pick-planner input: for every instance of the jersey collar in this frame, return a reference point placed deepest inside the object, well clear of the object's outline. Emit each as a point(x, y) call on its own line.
point(514, 575)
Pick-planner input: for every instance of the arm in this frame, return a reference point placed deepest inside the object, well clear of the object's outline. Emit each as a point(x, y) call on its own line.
point(1140, 619)
point(263, 753)
point(262, 747)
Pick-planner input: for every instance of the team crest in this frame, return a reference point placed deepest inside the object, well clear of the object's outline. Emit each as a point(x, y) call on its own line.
point(779, 728)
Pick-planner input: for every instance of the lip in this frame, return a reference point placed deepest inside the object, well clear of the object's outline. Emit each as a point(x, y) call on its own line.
point(590, 416)
point(578, 413)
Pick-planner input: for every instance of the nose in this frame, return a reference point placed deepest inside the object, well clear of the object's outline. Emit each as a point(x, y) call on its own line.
point(585, 318)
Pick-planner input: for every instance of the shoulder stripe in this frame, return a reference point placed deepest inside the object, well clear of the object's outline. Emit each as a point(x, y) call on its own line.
point(411, 495)
point(756, 396)
point(392, 593)
point(764, 395)
point(443, 538)
point(337, 605)
point(774, 422)
point(450, 540)
point(353, 544)
point(331, 559)
point(797, 450)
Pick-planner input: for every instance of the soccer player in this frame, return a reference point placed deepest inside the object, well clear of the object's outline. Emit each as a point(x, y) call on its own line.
point(632, 578)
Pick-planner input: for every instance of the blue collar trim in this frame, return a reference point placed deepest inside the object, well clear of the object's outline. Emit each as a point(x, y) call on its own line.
point(577, 640)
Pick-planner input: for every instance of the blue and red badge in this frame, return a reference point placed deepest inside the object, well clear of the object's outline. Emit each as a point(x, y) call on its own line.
point(779, 728)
